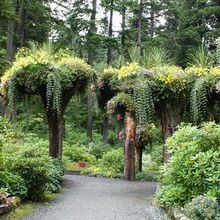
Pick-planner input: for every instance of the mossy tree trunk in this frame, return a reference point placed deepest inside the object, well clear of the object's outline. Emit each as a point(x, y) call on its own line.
point(129, 163)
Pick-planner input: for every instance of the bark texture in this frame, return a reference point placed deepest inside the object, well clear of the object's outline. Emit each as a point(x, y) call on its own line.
point(170, 118)
point(129, 164)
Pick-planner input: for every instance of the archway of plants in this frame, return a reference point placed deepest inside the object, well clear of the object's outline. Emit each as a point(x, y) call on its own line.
point(55, 76)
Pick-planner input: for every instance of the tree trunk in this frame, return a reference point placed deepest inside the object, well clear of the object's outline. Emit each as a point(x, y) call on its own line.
point(110, 34)
point(140, 12)
point(105, 131)
point(89, 116)
point(129, 164)
point(123, 32)
point(92, 31)
point(55, 121)
point(55, 134)
point(15, 36)
point(10, 46)
point(152, 20)
point(139, 150)
point(169, 120)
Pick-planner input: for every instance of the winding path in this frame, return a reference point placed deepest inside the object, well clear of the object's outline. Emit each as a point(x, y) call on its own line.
point(94, 198)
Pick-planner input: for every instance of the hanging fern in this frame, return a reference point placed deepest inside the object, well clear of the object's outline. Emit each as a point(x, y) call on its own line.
point(144, 104)
point(54, 93)
point(199, 99)
point(12, 98)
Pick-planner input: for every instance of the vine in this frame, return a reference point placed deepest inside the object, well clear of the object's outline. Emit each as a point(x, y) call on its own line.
point(54, 93)
point(143, 102)
point(199, 99)
point(12, 98)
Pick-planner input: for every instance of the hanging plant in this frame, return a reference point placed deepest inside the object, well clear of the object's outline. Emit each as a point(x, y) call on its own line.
point(143, 102)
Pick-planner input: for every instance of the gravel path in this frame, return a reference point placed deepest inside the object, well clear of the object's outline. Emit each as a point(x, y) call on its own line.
point(94, 198)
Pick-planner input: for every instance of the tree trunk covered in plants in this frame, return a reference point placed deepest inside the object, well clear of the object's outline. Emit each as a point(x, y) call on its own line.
point(129, 164)
point(110, 34)
point(169, 120)
point(105, 130)
point(56, 121)
point(89, 116)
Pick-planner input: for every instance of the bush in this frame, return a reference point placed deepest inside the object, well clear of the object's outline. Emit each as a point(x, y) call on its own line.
point(33, 165)
point(194, 168)
point(112, 161)
point(149, 176)
point(55, 176)
point(14, 184)
point(202, 208)
point(76, 153)
point(98, 149)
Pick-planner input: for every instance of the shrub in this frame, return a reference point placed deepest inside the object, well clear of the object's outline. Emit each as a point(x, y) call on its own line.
point(76, 153)
point(55, 176)
point(34, 166)
point(202, 208)
point(14, 184)
point(112, 161)
point(149, 176)
point(98, 149)
point(194, 168)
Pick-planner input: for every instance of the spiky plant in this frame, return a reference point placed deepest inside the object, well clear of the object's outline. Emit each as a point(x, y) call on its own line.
point(201, 58)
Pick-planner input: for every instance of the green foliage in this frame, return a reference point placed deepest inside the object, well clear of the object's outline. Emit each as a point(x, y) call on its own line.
point(15, 184)
point(201, 58)
point(120, 103)
point(55, 175)
point(202, 208)
point(155, 57)
point(98, 149)
point(77, 153)
point(45, 68)
point(33, 165)
point(112, 161)
point(194, 168)
point(143, 102)
point(199, 99)
point(218, 50)
point(148, 176)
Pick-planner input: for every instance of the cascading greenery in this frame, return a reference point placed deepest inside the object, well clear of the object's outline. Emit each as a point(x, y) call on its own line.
point(54, 92)
point(199, 99)
point(143, 102)
point(44, 67)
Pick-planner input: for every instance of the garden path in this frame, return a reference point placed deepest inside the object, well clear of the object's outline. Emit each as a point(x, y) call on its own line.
point(96, 198)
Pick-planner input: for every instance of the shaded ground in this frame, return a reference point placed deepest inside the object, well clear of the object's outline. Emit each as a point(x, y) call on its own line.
point(94, 198)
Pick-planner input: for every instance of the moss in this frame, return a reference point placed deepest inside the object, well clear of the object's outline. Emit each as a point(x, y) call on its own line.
point(20, 212)
point(28, 207)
